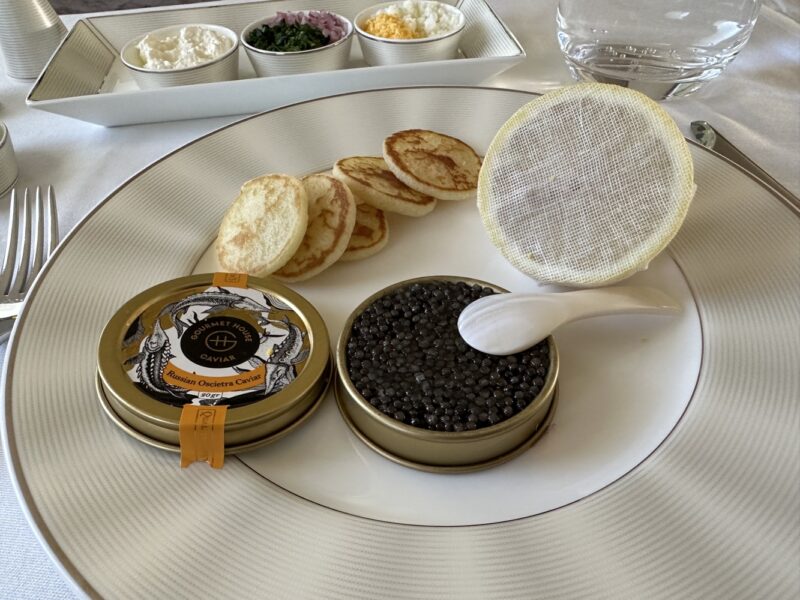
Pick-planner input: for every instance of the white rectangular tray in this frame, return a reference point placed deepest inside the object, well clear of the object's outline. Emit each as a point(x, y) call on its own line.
point(86, 80)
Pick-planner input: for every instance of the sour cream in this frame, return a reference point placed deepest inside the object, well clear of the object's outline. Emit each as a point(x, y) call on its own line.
point(191, 46)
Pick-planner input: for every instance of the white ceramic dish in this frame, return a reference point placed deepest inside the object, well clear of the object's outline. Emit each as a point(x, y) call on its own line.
point(328, 58)
point(223, 68)
point(86, 80)
point(689, 469)
point(384, 51)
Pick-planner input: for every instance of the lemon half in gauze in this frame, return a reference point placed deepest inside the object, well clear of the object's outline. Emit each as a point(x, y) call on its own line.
point(585, 185)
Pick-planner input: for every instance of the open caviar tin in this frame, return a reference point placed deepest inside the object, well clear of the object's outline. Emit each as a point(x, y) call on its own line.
point(442, 451)
point(221, 339)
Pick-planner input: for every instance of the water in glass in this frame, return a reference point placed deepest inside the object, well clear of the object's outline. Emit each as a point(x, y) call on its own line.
point(663, 48)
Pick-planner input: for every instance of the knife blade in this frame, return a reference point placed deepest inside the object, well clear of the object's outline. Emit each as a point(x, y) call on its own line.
point(11, 309)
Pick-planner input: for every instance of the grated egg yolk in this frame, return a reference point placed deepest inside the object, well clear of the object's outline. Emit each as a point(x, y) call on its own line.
point(389, 26)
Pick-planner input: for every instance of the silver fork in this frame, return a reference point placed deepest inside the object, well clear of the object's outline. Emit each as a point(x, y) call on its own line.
point(32, 237)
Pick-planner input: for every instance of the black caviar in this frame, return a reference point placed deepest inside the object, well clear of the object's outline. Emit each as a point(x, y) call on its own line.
point(407, 359)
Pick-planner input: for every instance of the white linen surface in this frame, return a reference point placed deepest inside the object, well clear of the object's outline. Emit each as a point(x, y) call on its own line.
point(756, 104)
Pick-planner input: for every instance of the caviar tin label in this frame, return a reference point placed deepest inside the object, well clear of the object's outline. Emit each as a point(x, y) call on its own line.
point(252, 345)
point(216, 345)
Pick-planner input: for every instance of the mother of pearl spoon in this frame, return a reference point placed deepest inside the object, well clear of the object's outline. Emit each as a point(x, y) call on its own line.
point(508, 323)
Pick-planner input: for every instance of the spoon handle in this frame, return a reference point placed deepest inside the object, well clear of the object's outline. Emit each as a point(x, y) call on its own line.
point(583, 304)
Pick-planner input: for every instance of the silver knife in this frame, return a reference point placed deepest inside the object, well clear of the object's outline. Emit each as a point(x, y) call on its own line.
point(11, 309)
point(8, 315)
point(713, 140)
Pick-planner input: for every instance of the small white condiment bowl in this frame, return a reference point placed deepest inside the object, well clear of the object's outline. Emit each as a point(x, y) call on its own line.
point(388, 51)
point(222, 68)
point(327, 58)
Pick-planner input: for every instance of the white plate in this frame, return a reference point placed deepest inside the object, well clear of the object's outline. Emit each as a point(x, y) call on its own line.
point(688, 491)
point(86, 80)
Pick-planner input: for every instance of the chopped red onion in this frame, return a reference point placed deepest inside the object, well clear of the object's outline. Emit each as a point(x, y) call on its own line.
point(331, 25)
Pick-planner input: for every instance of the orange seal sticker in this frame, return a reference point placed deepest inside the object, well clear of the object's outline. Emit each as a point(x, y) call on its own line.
point(236, 280)
point(201, 432)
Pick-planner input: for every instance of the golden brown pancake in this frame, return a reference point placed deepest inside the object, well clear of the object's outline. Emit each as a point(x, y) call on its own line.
point(372, 182)
point(433, 163)
point(370, 234)
point(331, 218)
point(264, 226)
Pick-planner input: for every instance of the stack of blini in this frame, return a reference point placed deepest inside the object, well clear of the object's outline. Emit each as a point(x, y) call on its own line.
point(294, 228)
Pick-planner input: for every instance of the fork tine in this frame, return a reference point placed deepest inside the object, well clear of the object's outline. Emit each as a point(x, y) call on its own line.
point(52, 217)
point(38, 238)
point(21, 269)
point(11, 244)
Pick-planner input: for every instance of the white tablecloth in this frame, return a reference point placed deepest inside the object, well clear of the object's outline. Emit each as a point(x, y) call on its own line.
point(756, 104)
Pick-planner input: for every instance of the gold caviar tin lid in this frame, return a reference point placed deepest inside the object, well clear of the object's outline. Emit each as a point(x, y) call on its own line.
point(251, 347)
point(442, 451)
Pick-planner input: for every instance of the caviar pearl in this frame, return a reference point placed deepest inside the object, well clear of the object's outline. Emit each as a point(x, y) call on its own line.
point(405, 345)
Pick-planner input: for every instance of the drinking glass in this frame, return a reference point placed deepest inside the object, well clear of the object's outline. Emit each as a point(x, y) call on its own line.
point(663, 48)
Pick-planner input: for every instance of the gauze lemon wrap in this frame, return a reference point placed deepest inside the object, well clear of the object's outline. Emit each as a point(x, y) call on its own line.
point(585, 185)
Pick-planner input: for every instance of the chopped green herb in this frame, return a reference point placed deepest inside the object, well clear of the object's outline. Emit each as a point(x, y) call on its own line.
point(287, 38)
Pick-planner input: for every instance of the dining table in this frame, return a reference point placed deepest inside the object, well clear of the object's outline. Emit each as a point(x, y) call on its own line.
point(755, 104)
